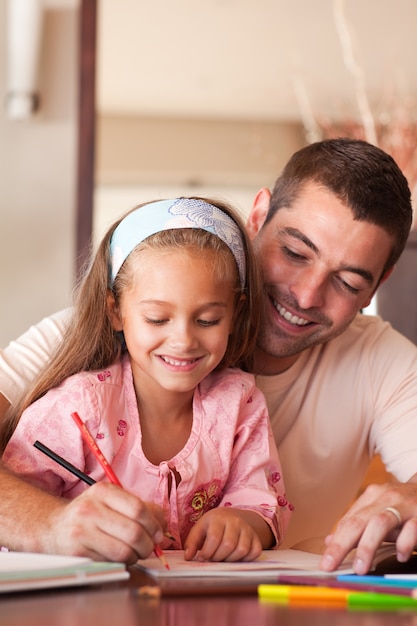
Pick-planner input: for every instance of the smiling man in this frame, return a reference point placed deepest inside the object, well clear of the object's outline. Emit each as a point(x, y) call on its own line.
point(340, 386)
point(317, 271)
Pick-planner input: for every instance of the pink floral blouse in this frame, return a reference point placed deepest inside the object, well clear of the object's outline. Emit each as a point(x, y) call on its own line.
point(230, 458)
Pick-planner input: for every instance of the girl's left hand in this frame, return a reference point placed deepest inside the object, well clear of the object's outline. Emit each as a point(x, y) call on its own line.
point(226, 534)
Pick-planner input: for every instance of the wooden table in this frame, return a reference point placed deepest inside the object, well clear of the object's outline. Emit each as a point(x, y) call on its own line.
point(118, 604)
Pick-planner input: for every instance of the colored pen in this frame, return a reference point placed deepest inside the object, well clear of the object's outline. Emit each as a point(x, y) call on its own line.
point(64, 463)
point(303, 595)
point(350, 584)
point(74, 470)
point(89, 440)
point(378, 581)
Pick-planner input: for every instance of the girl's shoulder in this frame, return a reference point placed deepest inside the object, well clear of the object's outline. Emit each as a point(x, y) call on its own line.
point(230, 379)
point(113, 374)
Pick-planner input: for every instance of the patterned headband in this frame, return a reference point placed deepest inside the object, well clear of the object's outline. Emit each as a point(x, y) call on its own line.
point(178, 213)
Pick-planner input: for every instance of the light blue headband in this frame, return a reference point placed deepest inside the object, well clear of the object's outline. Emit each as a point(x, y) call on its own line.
point(178, 213)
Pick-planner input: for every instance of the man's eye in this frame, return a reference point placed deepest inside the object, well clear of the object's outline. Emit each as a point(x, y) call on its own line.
point(291, 254)
point(348, 287)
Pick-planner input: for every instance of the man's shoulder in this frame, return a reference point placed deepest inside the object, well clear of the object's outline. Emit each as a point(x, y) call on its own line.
point(370, 329)
point(363, 327)
point(372, 339)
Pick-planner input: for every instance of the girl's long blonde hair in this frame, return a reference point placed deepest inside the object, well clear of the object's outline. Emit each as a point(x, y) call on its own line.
point(90, 342)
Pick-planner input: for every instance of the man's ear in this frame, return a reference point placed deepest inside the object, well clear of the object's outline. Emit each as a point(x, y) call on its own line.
point(384, 277)
point(113, 312)
point(259, 212)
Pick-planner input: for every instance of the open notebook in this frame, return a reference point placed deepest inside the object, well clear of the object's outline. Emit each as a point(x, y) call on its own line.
point(268, 565)
point(22, 571)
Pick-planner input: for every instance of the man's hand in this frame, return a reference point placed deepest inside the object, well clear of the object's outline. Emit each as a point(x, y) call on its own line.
point(105, 522)
point(369, 522)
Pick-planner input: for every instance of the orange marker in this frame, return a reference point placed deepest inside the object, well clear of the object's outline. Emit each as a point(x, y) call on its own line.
point(354, 600)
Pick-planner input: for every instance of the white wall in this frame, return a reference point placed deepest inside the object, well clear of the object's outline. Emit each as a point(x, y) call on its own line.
point(137, 159)
point(143, 158)
point(37, 181)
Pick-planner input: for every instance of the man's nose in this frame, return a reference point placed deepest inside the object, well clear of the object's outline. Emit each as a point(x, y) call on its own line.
point(309, 289)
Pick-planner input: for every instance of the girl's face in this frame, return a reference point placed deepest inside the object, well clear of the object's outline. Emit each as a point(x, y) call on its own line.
point(176, 319)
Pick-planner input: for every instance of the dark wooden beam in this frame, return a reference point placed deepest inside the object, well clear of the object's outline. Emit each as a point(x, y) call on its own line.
point(86, 131)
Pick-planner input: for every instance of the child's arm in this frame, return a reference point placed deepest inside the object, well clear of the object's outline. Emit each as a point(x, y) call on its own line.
point(253, 512)
point(228, 534)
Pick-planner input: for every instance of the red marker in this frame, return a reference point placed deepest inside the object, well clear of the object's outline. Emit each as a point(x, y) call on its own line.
point(90, 441)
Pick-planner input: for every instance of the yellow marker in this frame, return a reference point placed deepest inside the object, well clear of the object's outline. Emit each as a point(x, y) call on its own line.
point(299, 594)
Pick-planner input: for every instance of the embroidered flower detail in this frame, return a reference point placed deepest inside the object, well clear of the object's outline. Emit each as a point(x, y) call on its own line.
point(100, 436)
point(121, 428)
point(273, 475)
point(103, 375)
point(205, 498)
point(282, 501)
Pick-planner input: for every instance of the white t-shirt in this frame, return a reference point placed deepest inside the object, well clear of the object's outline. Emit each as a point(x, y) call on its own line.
point(337, 406)
point(24, 357)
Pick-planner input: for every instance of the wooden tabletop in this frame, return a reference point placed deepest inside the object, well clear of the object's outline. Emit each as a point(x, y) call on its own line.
point(120, 604)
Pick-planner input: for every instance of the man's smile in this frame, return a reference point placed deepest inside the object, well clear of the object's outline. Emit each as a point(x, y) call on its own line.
point(290, 317)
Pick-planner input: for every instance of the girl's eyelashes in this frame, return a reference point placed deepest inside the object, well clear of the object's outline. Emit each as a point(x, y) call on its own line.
point(157, 322)
point(204, 323)
point(209, 322)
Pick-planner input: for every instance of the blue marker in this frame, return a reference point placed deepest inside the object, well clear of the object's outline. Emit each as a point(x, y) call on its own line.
point(378, 580)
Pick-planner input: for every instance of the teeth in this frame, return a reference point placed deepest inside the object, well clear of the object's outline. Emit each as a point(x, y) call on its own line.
point(175, 362)
point(293, 319)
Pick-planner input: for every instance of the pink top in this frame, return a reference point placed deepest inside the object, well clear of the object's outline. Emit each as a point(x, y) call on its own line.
point(230, 458)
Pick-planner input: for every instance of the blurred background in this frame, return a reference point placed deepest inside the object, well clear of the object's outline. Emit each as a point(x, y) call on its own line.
point(107, 104)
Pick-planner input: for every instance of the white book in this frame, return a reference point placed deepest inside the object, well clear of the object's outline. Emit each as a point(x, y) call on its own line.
point(23, 571)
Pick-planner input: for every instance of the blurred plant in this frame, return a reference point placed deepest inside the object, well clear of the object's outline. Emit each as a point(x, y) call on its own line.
point(394, 128)
point(395, 132)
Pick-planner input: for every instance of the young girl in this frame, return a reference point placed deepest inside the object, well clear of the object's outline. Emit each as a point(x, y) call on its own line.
point(169, 304)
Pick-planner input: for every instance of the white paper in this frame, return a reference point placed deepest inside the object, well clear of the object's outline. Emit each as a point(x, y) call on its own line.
point(271, 562)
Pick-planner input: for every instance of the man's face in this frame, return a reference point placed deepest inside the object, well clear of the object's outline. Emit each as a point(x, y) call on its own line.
point(319, 266)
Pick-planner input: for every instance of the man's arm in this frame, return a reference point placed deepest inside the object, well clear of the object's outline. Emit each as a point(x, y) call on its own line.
point(370, 522)
point(104, 522)
point(24, 357)
point(4, 405)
